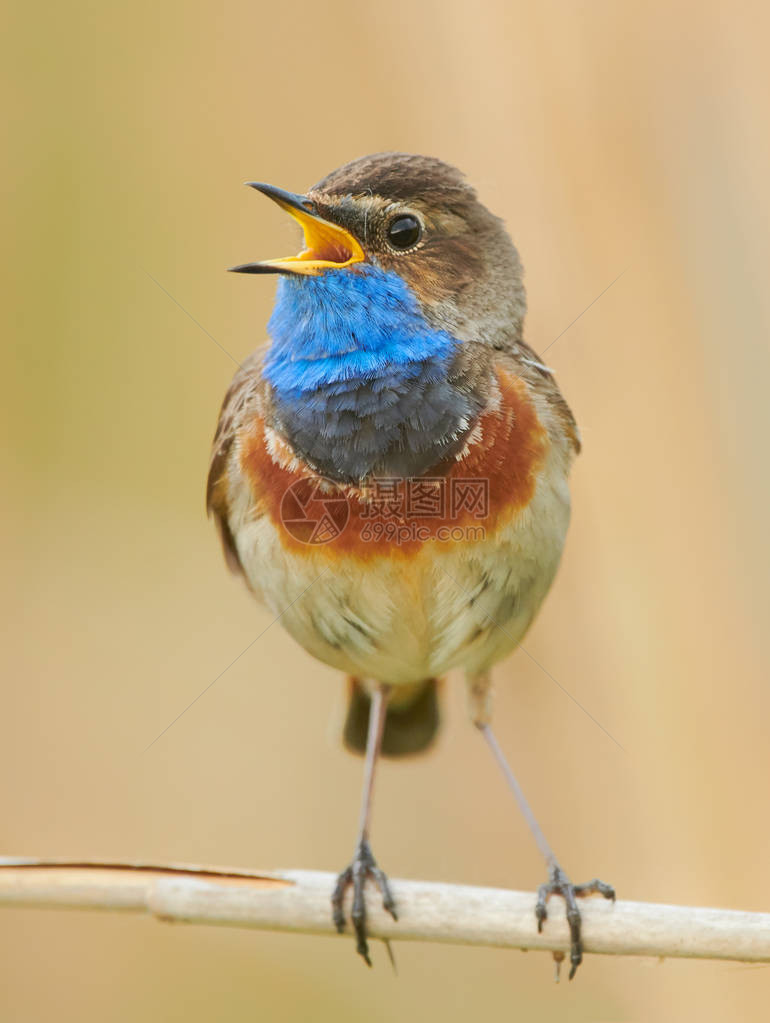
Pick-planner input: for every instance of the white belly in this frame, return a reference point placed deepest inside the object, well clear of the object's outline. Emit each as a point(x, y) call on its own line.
point(399, 617)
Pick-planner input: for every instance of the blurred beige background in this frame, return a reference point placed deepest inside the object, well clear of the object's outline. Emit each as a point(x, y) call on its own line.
point(610, 137)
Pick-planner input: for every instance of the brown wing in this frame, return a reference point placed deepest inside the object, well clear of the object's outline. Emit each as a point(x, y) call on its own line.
point(530, 367)
point(243, 396)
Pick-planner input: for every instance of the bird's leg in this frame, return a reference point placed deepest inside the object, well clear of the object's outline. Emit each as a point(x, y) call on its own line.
point(558, 883)
point(364, 864)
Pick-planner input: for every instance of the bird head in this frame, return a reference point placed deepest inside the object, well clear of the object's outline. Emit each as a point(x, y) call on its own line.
point(416, 217)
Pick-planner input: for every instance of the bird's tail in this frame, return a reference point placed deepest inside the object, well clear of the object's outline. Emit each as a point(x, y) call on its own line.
point(411, 724)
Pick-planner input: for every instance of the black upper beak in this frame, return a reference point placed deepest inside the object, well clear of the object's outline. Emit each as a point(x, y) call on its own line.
point(287, 200)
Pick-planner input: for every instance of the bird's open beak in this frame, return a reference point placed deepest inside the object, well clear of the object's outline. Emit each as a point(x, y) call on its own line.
point(327, 246)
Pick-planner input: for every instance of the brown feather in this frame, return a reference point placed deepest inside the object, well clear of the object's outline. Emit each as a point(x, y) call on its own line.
point(243, 395)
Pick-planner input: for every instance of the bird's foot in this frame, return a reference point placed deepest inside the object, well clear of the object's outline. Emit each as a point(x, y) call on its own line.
point(363, 866)
point(559, 884)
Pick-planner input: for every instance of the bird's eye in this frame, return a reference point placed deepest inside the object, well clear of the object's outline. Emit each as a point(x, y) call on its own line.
point(404, 231)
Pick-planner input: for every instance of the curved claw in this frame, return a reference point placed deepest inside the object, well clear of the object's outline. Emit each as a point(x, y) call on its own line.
point(343, 882)
point(559, 884)
point(363, 866)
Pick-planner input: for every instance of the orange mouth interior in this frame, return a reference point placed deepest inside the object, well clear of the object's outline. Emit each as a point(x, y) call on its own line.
point(327, 246)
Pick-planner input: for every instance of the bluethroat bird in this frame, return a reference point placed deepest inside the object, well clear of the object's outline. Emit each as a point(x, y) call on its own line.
point(389, 473)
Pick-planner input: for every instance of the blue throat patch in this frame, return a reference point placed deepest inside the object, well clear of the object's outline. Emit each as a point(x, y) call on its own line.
point(360, 380)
